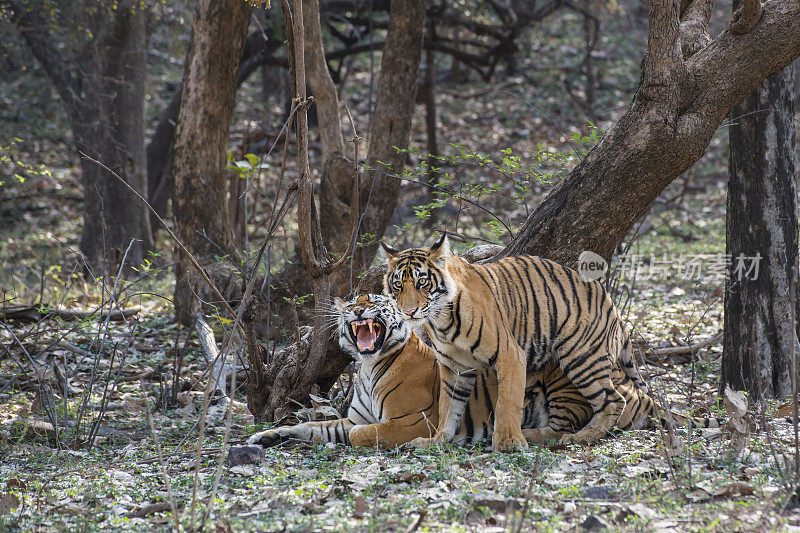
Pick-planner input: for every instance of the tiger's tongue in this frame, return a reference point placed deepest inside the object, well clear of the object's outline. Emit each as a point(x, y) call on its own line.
point(366, 338)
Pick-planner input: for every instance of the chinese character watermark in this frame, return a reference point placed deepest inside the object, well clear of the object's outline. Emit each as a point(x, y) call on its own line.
point(712, 268)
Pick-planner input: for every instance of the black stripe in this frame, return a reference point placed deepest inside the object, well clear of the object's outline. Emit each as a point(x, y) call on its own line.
point(385, 396)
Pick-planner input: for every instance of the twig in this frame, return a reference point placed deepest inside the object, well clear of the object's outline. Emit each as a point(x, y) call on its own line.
point(160, 456)
point(221, 457)
point(35, 313)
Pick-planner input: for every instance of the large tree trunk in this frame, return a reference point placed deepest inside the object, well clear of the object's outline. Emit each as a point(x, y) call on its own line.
point(762, 242)
point(104, 101)
point(257, 50)
point(681, 100)
point(112, 129)
point(199, 200)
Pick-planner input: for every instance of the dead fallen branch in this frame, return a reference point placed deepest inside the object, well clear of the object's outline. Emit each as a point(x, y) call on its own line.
point(35, 313)
point(689, 348)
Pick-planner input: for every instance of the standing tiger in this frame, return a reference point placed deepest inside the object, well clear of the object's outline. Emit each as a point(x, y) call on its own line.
point(516, 315)
point(396, 391)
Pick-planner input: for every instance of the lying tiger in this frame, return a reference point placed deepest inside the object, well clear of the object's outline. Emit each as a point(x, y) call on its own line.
point(396, 392)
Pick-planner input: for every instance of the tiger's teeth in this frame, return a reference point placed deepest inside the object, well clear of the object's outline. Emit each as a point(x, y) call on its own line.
point(370, 327)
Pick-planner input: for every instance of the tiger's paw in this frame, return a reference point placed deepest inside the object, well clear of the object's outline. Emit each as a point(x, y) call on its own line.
point(508, 440)
point(267, 438)
point(364, 436)
point(581, 437)
point(427, 442)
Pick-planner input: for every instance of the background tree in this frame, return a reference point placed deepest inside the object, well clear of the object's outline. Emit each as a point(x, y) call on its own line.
point(199, 200)
point(762, 241)
point(100, 78)
point(689, 85)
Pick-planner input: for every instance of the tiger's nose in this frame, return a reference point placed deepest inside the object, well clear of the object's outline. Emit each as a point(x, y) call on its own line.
point(411, 311)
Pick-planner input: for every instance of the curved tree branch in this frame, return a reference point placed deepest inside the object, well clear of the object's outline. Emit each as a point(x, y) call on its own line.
point(694, 26)
point(600, 200)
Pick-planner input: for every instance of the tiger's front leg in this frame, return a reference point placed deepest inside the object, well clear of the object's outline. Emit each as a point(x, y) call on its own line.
point(454, 392)
point(390, 434)
point(335, 431)
point(511, 377)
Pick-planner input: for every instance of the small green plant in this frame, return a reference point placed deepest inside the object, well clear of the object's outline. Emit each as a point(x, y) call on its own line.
point(12, 163)
point(505, 176)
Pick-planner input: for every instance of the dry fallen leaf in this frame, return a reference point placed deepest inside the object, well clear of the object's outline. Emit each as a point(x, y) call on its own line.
point(15, 483)
point(740, 428)
point(407, 477)
point(737, 488)
point(698, 495)
point(736, 402)
point(361, 506)
point(785, 410)
point(8, 502)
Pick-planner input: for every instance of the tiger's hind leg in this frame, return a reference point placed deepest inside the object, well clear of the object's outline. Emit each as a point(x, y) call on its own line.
point(556, 408)
point(591, 375)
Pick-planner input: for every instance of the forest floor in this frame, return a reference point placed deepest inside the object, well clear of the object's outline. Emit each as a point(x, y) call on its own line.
point(626, 482)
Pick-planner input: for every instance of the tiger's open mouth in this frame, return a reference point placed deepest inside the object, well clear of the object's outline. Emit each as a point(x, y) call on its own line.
point(368, 335)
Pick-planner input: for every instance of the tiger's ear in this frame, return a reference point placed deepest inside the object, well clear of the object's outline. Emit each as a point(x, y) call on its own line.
point(441, 248)
point(338, 303)
point(390, 251)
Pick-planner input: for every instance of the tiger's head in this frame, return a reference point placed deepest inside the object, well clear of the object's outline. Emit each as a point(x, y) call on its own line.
point(370, 325)
point(418, 279)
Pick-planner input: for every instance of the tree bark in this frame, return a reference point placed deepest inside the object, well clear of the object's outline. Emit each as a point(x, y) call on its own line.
point(679, 105)
point(760, 332)
point(199, 198)
point(159, 149)
point(101, 85)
